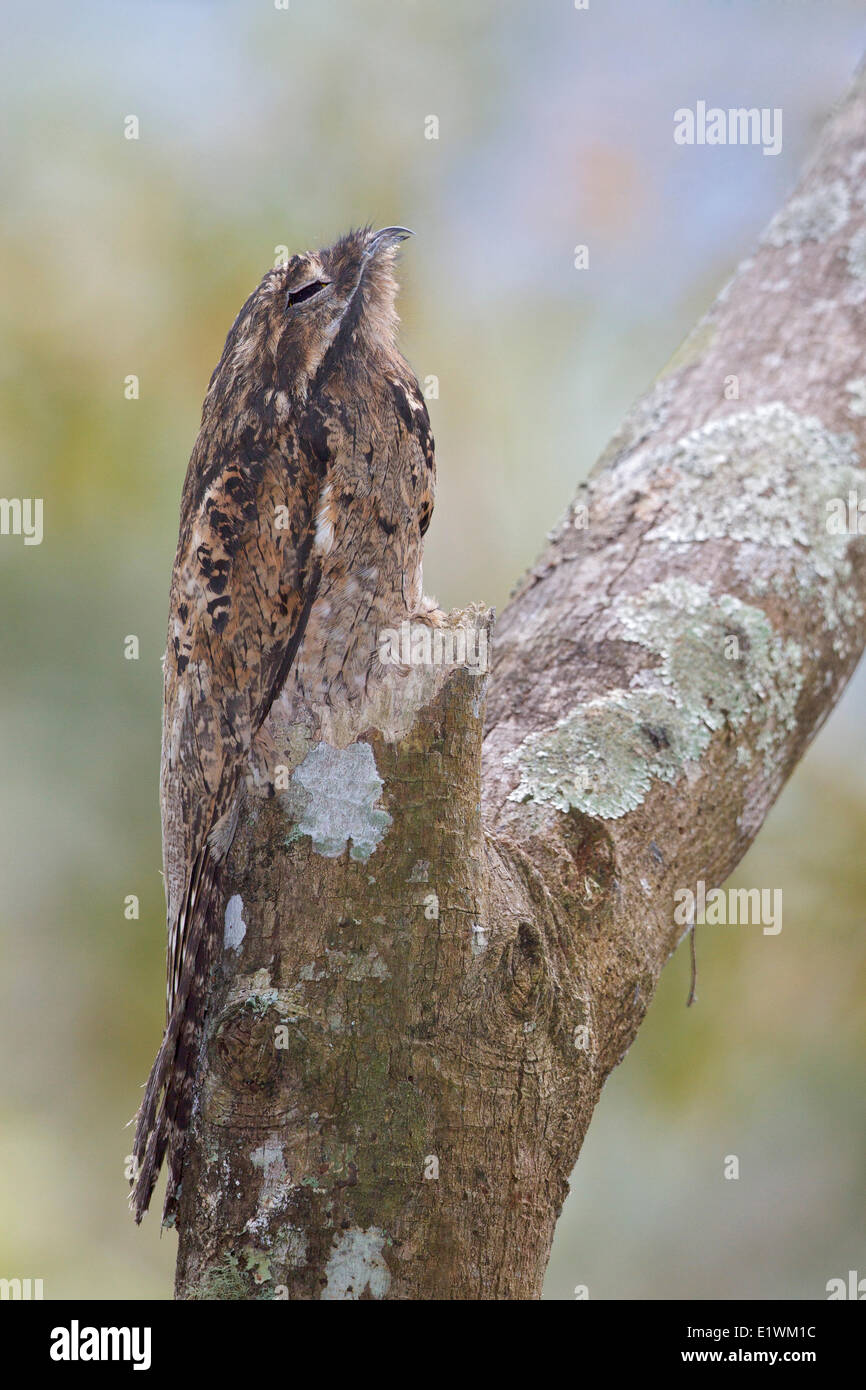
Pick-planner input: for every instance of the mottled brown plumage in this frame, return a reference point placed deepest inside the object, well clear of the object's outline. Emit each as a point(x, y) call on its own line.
point(308, 492)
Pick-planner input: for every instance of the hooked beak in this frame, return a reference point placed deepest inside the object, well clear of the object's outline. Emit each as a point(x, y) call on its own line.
point(387, 238)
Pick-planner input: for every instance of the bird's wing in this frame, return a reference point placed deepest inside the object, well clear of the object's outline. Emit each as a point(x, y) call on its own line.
point(410, 409)
point(244, 579)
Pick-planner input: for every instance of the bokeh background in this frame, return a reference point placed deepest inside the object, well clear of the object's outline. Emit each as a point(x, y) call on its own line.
point(261, 127)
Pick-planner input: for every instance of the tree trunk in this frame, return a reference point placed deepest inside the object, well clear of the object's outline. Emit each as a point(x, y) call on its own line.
point(433, 959)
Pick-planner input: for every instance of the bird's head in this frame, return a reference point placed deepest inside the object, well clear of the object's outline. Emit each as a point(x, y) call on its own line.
point(306, 311)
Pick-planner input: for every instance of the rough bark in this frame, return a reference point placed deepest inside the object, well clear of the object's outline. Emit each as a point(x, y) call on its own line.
point(417, 1010)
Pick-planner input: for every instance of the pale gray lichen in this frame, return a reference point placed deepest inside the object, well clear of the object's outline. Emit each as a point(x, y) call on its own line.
point(332, 798)
point(357, 1265)
point(763, 477)
point(857, 391)
point(479, 939)
point(813, 216)
point(691, 629)
point(620, 742)
point(275, 1188)
point(855, 179)
point(650, 413)
point(855, 254)
point(235, 926)
point(268, 1155)
point(751, 476)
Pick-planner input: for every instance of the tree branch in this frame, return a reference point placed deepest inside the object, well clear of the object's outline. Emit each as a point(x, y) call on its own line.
point(419, 1003)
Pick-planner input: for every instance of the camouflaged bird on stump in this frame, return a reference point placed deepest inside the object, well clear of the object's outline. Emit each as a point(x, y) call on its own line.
point(308, 493)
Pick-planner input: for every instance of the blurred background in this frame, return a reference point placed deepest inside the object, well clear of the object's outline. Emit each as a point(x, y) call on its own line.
point(259, 128)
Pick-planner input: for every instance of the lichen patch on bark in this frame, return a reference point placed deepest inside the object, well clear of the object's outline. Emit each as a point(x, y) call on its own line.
point(357, 1266)
point(763, 478)
point(235, 926)
point(720, 662)
point(815, 215)
point(333, 798)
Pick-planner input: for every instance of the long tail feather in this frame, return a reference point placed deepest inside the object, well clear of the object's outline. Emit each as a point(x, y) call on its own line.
point(165, 1111)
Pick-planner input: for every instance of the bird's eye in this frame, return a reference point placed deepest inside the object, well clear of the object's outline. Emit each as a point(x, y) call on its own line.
point(305, 292)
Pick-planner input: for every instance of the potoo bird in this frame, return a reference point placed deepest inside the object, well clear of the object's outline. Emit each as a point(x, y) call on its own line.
point(308, 493)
